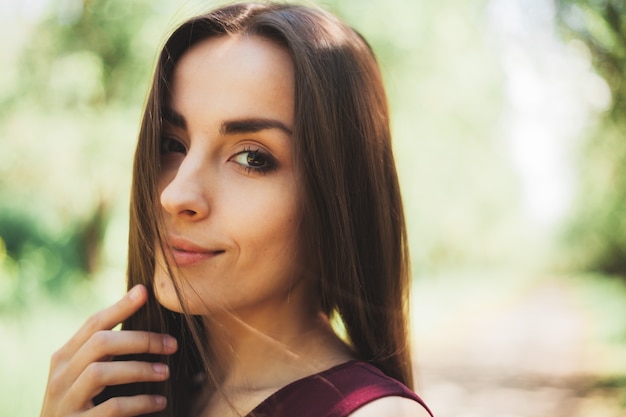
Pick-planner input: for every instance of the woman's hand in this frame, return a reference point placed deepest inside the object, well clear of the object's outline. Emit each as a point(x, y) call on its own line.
point(82, 368)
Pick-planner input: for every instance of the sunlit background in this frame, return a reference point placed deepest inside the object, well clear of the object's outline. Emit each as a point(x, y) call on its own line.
point(509, 120)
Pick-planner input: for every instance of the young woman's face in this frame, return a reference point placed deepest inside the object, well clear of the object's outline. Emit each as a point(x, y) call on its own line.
point(228, 190)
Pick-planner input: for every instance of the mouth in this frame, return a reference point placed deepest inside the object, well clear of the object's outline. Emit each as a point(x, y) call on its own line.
point(186, 254)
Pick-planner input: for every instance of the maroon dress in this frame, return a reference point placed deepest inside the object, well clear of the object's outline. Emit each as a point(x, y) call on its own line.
point(336, 392)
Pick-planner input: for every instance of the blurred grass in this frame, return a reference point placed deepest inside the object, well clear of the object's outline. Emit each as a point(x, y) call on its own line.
point(605, 299)
point(29, 337)
point(501, 342)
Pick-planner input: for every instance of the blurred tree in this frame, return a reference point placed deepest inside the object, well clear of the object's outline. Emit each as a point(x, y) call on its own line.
point(444, 80)
point(598, 232)
point(67, 132)
point(102, 38)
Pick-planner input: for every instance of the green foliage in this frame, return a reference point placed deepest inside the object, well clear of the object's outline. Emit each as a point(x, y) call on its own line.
point(444, 82)
point(96, 41)
point(597, 236)
point(35, 260)
point(67, 132)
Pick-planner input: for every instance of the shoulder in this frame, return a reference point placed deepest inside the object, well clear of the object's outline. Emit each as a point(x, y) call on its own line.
point(391, 407)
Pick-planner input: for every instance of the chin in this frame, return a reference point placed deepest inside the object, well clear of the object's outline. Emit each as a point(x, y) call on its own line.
point(165, 294)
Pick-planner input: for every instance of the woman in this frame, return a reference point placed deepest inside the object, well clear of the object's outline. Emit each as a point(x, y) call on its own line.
point(268, 268)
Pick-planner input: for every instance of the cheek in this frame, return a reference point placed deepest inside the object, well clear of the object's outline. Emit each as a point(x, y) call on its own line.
point(164, 287)
point(275, 222)
point(266, 232)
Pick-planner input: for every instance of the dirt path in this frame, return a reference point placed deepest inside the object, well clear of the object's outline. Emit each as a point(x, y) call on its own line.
point(512, 352)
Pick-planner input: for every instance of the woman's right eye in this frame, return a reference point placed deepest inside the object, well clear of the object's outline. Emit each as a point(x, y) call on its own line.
point(171, 145)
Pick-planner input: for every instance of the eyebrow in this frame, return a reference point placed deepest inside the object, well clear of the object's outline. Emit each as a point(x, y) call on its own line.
point(231, 127)
point(174, 118)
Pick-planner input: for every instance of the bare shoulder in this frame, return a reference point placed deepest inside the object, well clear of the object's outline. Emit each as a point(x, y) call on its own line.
point(391, 407)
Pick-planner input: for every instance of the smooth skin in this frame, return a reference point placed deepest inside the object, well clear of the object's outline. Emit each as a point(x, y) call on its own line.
point(228, 189)
point(82, 368)
point(391, 407)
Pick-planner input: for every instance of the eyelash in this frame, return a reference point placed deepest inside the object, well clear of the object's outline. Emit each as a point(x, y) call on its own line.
point(171, 141)
point(269, 162)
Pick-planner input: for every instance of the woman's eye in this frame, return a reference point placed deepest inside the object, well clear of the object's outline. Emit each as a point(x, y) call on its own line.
point(171, 145)
point(254, 160)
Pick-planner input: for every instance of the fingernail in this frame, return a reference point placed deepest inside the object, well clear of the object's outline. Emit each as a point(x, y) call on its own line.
point(134, 293)
point(159, 368)
point(160, 400)
point(170, 343)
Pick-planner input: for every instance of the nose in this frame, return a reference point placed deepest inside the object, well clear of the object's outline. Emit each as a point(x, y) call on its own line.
point(186, 193)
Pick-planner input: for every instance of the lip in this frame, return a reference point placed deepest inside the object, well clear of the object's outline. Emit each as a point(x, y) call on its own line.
point(185, 253)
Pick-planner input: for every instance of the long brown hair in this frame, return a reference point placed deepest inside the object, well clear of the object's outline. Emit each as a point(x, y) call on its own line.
point(352, 209)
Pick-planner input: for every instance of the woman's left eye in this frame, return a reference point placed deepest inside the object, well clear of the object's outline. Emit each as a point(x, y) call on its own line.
point(254, 160)
point(170, 145)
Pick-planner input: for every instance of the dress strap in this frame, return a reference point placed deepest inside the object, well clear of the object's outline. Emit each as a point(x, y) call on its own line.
point(336, 392)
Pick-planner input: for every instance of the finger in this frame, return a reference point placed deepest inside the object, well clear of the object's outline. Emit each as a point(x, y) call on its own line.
point(99, 375)
point(59, 381)
point(107, 343)
point(128, 406)
point(105, 320)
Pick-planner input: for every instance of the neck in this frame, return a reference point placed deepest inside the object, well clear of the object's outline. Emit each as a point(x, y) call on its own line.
point(270, 347)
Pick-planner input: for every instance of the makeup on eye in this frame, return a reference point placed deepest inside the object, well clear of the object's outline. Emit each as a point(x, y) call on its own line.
point(255, 160)
point(250, 159)
point(170, 145)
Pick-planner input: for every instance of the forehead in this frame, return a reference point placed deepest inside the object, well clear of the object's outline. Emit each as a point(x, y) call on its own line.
point(246, 73)
point(236, 49)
